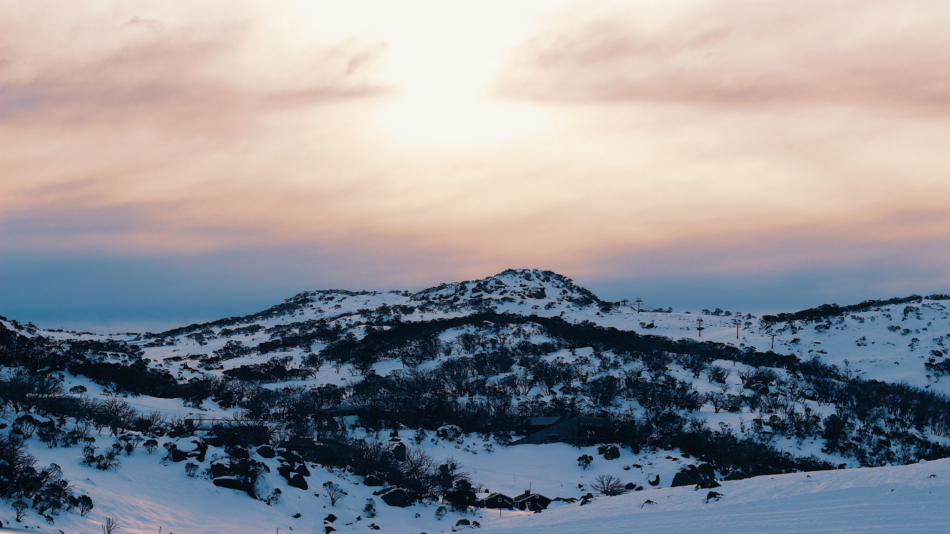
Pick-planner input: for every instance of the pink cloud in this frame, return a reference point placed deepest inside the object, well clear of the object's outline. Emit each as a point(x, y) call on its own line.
point(144, 71)
point(879, 53)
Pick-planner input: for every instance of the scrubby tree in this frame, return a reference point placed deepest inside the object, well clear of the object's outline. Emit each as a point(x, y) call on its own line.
point(20, 508)
point(334, 492)
point(83, 503)
point(608, 485)
point(370, 509)
point(585, 460)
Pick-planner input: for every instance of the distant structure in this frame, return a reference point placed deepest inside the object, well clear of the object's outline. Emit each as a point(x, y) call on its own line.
point(498, 500)
point(577, 430)
point(533, 502)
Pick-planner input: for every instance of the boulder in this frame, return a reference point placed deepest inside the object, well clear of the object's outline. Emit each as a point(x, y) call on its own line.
point(683, 479)
point(609, 452)
point(372, 481)
point(218, 470)
point(178, 455)
point(266, 451)
point(399, 452)
point(238, 452)
point(704, 476)
point(235, 484)
point(654, 480)
point(397, 497)
point(298, 481)
point(290, 456)
point(200, 451)
point(449, 432)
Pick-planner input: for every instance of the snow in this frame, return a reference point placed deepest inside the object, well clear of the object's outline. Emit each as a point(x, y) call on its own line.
point(909, 498)
point(881, 344)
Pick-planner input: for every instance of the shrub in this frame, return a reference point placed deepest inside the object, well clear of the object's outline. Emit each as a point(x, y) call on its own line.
point(334, 492)
point(608, 485)
point(585, 461)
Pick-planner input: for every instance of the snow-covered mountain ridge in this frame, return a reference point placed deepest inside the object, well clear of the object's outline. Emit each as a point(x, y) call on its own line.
point(436, 394)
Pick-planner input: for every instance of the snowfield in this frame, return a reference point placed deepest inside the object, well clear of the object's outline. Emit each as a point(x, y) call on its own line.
point(910, 498)
point(520, 344)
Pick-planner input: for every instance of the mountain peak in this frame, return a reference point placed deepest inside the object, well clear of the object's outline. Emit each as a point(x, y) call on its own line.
point(512, 285)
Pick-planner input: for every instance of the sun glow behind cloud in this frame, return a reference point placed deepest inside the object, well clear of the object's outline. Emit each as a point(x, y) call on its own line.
point(462, 138)
point(442, 62)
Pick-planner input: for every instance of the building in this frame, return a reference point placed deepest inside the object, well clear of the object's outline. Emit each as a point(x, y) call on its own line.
point(534, 502)
point(498, 500)
point(578, 430)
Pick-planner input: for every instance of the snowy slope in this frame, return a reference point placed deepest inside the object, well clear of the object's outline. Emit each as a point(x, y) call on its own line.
point(909, 498)
point(883, 343)
point(312, 338)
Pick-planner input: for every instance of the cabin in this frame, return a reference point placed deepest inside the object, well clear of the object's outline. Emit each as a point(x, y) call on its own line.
point(535, 424)
point(533, 502)
point(498, 500)
point(578, 430)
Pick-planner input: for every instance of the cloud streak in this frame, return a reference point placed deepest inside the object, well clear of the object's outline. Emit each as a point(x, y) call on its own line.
point(885, 54)
point(676, 139)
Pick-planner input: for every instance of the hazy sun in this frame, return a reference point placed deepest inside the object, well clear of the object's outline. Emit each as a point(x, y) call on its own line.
point(442, 72)
point(456, 122)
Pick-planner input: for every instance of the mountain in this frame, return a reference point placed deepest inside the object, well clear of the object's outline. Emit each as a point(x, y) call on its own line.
point(439, 398)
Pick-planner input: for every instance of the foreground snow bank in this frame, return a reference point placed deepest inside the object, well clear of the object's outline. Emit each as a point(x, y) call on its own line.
point(886, 499)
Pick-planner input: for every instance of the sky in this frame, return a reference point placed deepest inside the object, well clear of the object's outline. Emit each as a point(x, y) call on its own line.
point(170, 162)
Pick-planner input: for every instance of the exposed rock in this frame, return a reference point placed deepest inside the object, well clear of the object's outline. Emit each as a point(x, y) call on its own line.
point(683, 479)
point(397, 497)
point(239, 453)
point(399, 452)
point(449, 432)
point(609, 452)
point(298, 481)
point(704, 477)
point(266, 451)
point(235, 484)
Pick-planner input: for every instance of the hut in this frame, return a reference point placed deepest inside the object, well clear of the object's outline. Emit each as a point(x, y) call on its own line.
point(498, 500)
point(534, 502)
point(580, 430)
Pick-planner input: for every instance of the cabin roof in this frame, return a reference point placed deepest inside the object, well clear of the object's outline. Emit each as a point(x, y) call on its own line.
point(543, 421)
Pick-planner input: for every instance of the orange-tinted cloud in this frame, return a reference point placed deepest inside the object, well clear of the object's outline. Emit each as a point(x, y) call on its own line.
point(739, 138)
point(891, 54)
